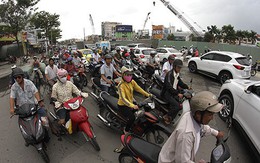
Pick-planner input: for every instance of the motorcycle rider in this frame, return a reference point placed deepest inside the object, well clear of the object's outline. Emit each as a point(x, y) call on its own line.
point(23, 91)
point(117, 56)
point(12, 79)
point(36, 64)
point(50, 72)
point(106, 72)
point(132, 54)
point(70, 67)
point(183, 144)
point(62, 91)
point(76, 60)
point(167, 66)
point(126, 96)
point(171, 90)
point(127, 60)
point(96, 57)
point(152, 63)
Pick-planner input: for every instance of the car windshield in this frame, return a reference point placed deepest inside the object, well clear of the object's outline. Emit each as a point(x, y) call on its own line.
point(173, 51)
point(131, 46)
point(243, 61)
point(147, 51)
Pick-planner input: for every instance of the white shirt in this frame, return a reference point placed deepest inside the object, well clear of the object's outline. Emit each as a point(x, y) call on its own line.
point(166, 66)
point(96, 57)
point(175, 83)
point(51, 72)
point(107, 71)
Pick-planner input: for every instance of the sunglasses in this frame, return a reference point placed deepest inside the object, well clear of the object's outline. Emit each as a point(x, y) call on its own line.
point(18, 77)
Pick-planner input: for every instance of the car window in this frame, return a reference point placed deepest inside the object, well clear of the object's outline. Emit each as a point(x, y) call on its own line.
point(256, 90)
point(131, 46)
point(159, 50)
point(137, 51)
point(243, 61)
point(147, 51)
point(222, 58)
point(208, 56)
point(173, 50)
point(163, 51)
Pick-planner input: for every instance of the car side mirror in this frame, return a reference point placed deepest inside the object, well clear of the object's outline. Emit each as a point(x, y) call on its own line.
point(249, 89)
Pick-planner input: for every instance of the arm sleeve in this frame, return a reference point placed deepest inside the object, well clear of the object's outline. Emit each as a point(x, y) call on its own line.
point(12, 94)
point(184, 148)
point(182, 84)
point(33, 87)
point(102, 70)
point(137, 88)
point(169, 86)
point(75, 89)
point(54, 92)
point(122, 93)
point(164, 66)
point(207, 130)
point(46, 71)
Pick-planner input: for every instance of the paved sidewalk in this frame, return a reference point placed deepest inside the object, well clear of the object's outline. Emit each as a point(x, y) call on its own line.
point(5, 68)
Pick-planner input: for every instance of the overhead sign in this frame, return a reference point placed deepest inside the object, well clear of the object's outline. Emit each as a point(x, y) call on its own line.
point(157, 31)
point(124, 28)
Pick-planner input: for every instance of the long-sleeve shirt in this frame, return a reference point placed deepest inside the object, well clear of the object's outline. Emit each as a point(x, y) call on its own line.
point(63, 92)
point(126, 92)
point(182, 145)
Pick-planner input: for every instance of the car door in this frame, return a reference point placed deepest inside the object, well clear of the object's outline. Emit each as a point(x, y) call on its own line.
point(219, 63)
point(203, 63)
point(247, 114)
point(161, 53)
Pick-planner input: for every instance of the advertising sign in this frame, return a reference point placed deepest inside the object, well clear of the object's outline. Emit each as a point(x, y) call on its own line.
point(157, 31)
point(124, 28)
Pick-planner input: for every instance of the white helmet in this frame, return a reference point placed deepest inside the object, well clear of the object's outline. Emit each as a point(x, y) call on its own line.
point(13, 67)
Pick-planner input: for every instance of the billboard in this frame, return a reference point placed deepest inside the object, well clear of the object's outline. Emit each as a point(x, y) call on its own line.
point(157, 31)
point(124, 28)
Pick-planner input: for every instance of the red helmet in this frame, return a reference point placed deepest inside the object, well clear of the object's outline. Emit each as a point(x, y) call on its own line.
point(127, 54)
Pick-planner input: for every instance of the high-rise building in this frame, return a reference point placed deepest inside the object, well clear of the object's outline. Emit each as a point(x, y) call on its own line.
point(109, 29)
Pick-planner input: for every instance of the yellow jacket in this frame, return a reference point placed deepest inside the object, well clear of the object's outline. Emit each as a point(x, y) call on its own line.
point(126, 92)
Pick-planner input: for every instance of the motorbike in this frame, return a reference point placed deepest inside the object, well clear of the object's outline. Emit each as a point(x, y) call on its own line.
point(36, 79)
point(25, 59)
point(78, 121)
point(157, 82)
point(79, 78)
point(94, 68)
point(11, 59)
point(138, 150)
point(162, 106)
point(147, 124)
point(32, 129)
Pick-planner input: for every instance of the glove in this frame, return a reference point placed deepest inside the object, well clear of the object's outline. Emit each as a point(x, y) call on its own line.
point(57, 104)
point(83, 94)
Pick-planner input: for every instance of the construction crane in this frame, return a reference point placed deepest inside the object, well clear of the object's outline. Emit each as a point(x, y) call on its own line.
point(147, 17)
point(92, 24)
point(180, 16)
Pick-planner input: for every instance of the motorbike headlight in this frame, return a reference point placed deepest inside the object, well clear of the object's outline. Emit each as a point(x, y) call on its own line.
point(218, 152)
point(74, 105)
point(152, 105)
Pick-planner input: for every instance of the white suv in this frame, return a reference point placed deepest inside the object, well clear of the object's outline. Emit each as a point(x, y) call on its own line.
point(163, 54)
point(221, 65)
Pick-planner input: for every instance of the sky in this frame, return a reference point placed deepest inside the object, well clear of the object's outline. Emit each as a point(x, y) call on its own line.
point(74, 14)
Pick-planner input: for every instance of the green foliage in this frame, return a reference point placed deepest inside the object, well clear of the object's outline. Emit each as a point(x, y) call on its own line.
point(170, 37)
point(208, 37)
point(49, 23)
point(229, 34)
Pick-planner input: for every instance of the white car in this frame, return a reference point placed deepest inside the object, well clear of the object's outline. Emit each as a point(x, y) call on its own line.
point(143, 53)
point(221, 65)
point(241, 99)
point(164, 53)
point(122, 48)
point(137, 45)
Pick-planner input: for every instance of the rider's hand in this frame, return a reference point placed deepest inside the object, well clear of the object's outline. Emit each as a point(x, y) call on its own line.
point(220, 134)
point(12, 111)
point(202, 161)
point(180, 95)
point(83, 94)
point(136, 107)
point(109, 82)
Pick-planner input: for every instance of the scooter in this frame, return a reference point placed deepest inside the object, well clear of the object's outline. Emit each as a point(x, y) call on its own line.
point(138, 150)
point(162, 106)
point(78, 120)
point(253, 69)
point(147, 123)
point(32, 129)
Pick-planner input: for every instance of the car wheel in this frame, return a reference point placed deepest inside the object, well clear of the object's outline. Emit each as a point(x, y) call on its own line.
point(223, 76)
point(192, 67)
point(228, 107)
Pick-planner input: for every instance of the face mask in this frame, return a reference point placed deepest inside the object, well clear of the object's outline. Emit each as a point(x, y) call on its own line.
point(128, 78)
point(63, 80)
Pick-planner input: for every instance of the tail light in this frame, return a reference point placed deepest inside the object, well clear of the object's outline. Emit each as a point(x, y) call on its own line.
point(239, 67)
point(141, 56)
point(173, 55)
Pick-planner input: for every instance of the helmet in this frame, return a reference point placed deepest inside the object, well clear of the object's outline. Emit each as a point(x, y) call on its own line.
point(17, 72)
point(205, 100)
point(118, 49)
point(108, 56)
point(69, 58)
point(153, 53)
point(35, 57)
point(127, 54)
point(61, 72)
point(13, 67)
point(126, 69)
point(177, 62)
point(171, 57)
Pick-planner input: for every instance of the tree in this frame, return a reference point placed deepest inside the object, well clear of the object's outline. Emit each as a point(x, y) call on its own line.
point(49, 23)
point(252, 36)
point(228, 33)
point(213, 30)
point(16, 13)
point(240, 35)
point(208, 37)
point(170, 37)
